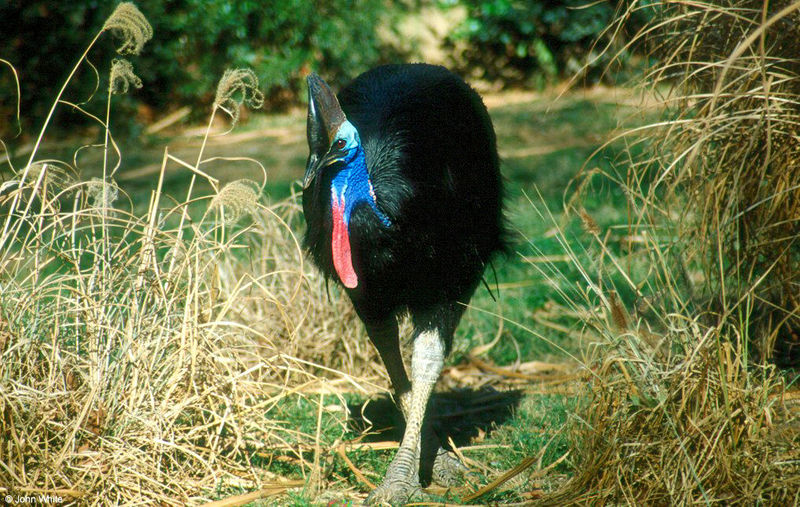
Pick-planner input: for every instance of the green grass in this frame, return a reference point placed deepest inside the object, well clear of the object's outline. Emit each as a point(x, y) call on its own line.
point(543, 144)
point(576, 129)
point(534, 429)
point(539, 182)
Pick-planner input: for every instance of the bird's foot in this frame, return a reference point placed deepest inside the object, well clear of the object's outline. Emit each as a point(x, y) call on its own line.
point(400, 483)
point(448, 470)
point(393, 492)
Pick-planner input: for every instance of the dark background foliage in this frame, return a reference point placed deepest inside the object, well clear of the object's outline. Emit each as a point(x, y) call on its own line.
point(511, 41)
point(503, 41)
point(195, 41)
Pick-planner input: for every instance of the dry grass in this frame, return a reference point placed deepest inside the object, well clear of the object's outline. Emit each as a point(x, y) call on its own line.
point(680, 417)
point(137, 366)
point(684, 405)
point(674, 410)
point(143, 355)
point(725, 166)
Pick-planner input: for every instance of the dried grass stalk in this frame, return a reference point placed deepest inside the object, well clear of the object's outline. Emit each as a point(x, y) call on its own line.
point(727, 165)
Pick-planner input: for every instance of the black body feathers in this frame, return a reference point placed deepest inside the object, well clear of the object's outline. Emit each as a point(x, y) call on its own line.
point(432, 159)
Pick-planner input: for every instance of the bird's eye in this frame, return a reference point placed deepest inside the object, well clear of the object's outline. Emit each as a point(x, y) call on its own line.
point(339, 144)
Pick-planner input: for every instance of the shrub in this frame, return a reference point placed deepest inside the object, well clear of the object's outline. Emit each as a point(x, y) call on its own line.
point(512, 41)
point(196, 40)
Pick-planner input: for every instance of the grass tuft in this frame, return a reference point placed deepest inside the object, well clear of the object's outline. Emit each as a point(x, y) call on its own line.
point(150, 356)
point(688, 425)
point(685, 404)
point(724, 166)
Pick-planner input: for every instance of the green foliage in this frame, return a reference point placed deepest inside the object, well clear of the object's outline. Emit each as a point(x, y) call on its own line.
point(511, 41)
point(194, 42)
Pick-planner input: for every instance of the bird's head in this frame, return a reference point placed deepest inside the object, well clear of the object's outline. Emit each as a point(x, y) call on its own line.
point(335, 146)
point(332, 139)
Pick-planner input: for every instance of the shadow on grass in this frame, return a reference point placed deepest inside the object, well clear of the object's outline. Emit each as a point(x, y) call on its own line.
point(460, 415)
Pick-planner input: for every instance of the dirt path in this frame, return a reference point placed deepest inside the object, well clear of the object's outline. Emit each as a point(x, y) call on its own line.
point(278, 140)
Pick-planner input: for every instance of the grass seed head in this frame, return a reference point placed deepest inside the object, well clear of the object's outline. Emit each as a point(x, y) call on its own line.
point(588, 223)
point(122, 76)
point(237, 87)
point(129, 24)
point(101, 193)
point(238, 199)
point(618, 314)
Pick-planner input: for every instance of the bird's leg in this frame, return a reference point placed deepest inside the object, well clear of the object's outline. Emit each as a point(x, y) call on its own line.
point(438, 464)
point(384, 336)
point(402, 476)
point(443, 467)
point(446, 469)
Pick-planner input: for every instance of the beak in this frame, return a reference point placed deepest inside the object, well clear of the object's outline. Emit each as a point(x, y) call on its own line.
point(325, 115)
point(315, 164)
point(312, 168)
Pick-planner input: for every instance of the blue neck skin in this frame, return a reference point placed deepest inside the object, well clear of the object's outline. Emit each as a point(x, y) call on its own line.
point(353, 186)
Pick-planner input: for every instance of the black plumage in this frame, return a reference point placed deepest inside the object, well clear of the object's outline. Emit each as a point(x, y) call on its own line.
point(431, 155)
point(432, 160)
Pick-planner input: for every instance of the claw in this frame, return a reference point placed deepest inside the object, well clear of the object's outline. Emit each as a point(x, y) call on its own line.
point(393, 493)
point(401, 480)
point(448, 470)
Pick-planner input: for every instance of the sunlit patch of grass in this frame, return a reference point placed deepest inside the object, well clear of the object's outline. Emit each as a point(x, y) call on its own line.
point(539, 271)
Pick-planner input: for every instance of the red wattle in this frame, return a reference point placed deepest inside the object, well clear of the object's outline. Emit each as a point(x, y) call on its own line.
point(342, 260)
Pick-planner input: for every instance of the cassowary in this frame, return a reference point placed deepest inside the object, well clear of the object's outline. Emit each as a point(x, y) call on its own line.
point(402, 196)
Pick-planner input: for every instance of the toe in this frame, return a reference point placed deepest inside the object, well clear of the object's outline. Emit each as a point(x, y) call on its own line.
point(392, 493)
point(448, 470)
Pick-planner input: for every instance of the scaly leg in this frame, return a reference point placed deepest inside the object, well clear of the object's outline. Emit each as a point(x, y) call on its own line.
point(402, 477)
point(439, 465)
point(445, 469)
